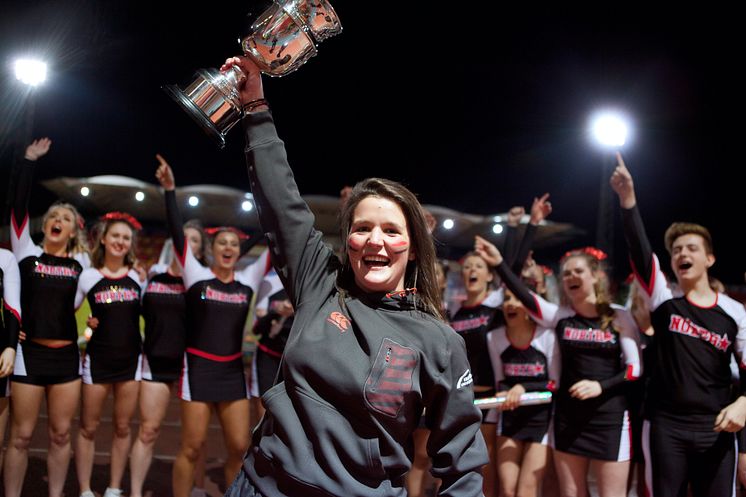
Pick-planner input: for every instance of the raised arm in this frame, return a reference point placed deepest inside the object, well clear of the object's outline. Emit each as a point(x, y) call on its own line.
point(297, 249)
point(540, 210)
point(20, 237)
point(510, 247)
point(641, 253)
point(193, 270)
point(544, 313)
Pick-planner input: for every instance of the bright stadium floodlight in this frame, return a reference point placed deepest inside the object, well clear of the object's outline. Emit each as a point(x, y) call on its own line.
point(140, 196)
point(448, 224)
point(610, 129)
point(193, 201)
point(246, 206)
point(85, 191)
point(30, 71)
point(497, 229)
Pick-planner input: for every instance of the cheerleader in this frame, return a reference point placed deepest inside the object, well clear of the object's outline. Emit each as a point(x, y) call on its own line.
point(112, 362)
point(10, 325)
point(690, 414)
point(275, 318)
point(479, 313)
point(218, 300)
point(599, 347)
point(164, 311)
point(47, 363)
point(525, 358)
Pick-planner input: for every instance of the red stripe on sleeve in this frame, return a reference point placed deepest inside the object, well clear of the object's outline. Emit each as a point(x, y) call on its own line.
point(18, 229)
point(629, 375)
point(13, 311)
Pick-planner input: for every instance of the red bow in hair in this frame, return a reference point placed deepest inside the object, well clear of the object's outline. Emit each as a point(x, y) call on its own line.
point(546, 270)
point(122, 216)
point(214, 231)
point(594, 252)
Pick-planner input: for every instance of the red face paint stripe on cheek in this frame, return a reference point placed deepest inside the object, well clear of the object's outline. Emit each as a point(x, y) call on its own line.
point(401, 247)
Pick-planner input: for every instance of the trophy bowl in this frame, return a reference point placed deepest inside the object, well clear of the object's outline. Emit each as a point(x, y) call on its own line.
point(317, 15)
point(280, 40)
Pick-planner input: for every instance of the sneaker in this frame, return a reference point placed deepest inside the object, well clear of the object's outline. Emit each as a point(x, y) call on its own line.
point(198, 492)
point(113, 492)
point(87, 493)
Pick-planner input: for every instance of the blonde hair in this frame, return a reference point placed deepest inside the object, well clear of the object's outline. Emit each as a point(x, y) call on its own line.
point(77, 243)
point(98, 253)
point(601, 287)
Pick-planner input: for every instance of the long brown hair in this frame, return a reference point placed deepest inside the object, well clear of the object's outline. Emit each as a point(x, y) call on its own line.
point(98, 253)
point(601, 287)
point(421, 272)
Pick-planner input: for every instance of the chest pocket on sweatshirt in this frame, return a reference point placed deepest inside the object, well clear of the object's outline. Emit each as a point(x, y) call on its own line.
point(391, 378)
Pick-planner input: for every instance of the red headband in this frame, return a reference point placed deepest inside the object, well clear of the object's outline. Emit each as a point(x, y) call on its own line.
point(594, 252)
point(122, 216)
point(217, 229)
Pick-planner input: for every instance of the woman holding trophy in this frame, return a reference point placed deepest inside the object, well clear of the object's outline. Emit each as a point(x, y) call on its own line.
point(368, 349)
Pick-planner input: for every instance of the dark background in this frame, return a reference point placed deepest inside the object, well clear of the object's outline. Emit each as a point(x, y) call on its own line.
point(474, 108)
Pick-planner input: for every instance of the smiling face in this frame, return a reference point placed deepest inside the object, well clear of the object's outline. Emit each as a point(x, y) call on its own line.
point(689, 258)
point(476, 275)
point(378, 245)
point(59, 225)
point(226, 249)
point(578, 280)
point(117, 240)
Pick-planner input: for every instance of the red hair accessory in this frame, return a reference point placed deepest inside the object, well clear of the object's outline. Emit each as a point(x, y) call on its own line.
point(81, 222)
point(122, 216)
point(546, 270)
point(214, 231)
point(594, 252)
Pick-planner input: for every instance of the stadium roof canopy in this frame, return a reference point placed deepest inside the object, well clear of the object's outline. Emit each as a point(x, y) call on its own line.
point(223, 205)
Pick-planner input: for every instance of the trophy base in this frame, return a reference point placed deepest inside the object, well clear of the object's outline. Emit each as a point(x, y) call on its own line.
point(195, 113)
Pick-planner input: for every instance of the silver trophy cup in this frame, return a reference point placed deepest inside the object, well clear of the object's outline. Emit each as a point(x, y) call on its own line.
point(280, 40)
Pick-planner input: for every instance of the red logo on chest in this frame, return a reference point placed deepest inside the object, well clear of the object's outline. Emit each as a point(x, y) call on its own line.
point(339, 320)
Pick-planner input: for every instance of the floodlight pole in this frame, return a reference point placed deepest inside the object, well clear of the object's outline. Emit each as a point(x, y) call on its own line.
point(605, 220)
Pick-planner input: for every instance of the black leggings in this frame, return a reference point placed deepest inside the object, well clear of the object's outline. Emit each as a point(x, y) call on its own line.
point(705, 459)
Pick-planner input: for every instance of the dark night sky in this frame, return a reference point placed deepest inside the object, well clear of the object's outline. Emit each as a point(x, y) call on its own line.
point(475, 109)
